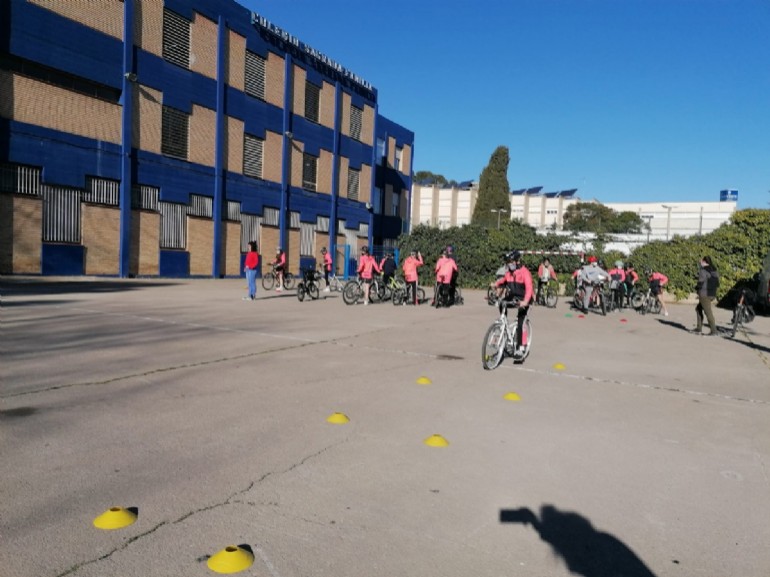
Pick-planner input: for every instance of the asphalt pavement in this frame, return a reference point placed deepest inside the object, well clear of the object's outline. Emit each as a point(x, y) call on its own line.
point(623, 446)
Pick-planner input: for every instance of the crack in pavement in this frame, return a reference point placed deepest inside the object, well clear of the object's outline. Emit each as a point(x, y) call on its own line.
point(231, 500)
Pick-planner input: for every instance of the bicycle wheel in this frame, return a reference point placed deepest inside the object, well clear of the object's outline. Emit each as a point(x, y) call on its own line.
point(288, 280)
point(551, 298)
point(493, 347)
point(420, 295)
point(491, 296)
point(351, 293)
point(398, 297)
point(655, 306)
point(459, 300)
point(637, 300)
point(268, 281)
point(300, 292)
point(312, 290)
point(378, 291)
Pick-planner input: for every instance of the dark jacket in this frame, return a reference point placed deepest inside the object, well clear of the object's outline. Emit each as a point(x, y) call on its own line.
point(708, 282)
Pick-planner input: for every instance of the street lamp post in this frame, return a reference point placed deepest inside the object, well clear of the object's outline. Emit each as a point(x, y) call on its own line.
point(498, 211)
point(668, 219)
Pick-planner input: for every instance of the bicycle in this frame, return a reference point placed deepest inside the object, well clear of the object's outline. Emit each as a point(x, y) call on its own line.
point(645, 302)
point(400, 294)
point(336, 284)
point(743, 313)
point(309, 284)
point(500, 339)
point(270, 278)
point(354, 290)
point(546, 295)
point(597, 299)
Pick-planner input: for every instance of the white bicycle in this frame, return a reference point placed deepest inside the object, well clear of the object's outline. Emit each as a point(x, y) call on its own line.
point(500, 339)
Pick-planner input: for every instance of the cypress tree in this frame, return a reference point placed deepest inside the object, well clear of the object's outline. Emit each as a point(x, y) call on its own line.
point(494, 192)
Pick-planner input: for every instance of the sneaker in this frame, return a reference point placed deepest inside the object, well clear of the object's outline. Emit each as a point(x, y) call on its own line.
point(665, 314)
point(278, 288)
point(246, 299)
point(327, 289)
point(366, 303)
point(696, 331)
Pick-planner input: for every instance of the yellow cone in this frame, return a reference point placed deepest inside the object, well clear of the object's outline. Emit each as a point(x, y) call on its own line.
point(436, 441)
point(511, 397)
point(424, 381)
point(231, 559)
point(338, 419)
point(115, 518)
point(559, 367)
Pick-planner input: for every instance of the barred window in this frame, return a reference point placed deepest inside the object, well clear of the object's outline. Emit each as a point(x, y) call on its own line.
point(253, 149)
point(175, 133)
point(307, 239)
point(312, 101)
point(233, 211)
point(309, 171)
point(176, 39)
point(20, 179)
point(356, 114)
point(102, 191)
point(201, 206)
point(61, 214)
point(173, 229)
point(145, 197)
point(250, 225)
point(354, 177)
point(255, 75)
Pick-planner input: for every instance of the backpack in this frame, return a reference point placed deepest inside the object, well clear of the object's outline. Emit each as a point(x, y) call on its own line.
point(712, 283)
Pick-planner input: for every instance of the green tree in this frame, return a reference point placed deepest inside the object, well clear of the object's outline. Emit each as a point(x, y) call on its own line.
point(426, 176)
point(494, 192)
point(595, 217)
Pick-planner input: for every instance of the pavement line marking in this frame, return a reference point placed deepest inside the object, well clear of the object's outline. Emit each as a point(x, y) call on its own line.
point(270, 567)
point(641, 385)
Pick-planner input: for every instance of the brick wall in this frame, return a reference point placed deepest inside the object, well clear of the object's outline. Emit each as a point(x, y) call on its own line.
point(299, 79)
point(345, 115)
point(296, 149)
point(41, 104)
point(343, 177)
point(365, 184)
point(145, 243)
point(101, 239)
point(406, 160)
point(148, 119)
point(103, 15)
point(324, 174)
point(21, 226)
point(231, 253)
point(202, 135)
point(272, 155)
point(235, 75)
point(275, 74)
point(326, 111)
point(148, 26)
point(367, 125)
point(234, 144)
point(200, 243)
point(203, 46)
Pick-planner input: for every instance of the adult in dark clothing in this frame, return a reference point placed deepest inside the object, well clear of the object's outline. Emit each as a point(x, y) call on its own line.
point(450, 253)
point(388, 266)
point(708, 282)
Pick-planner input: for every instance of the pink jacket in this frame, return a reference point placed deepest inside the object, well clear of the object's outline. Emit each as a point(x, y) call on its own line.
point(410, 268)
point(328, 261)
point(663, 279)
point(366, 264)
point(444, 268)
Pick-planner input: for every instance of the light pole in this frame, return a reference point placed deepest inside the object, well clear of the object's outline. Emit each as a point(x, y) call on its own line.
point(648, 218)
point(498, 211)
point(668, 219)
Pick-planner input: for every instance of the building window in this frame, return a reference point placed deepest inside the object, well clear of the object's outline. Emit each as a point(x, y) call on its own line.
point(176, 39)
point(61, 214)
point(399, 157)
point(382, 156)
point(102, 191)
point(253, 149)
point(309, 171)
point(174, 133)
point(312, 101)
point(354, 178)
point(356, 114)
point(396, 204)
point(173, 232)
point(255, 75)
point(377, 200)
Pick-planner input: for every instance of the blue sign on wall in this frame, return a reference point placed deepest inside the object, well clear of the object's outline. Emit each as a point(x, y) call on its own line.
point(729, 195)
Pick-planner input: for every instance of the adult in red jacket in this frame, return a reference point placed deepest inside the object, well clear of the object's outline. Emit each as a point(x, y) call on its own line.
point(409, 267)
point(327, 266)
point(250, 268)
point(517, 285)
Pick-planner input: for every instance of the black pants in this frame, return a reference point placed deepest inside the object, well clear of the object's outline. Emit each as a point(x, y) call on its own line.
point(520, 324)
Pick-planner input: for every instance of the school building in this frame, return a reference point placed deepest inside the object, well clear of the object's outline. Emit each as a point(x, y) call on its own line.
point(159, 137)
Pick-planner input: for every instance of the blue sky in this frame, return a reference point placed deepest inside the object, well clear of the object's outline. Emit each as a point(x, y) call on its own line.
point(638, 100)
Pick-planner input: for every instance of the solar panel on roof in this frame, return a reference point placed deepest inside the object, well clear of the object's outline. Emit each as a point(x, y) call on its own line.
point(551, 194)
point(534, 190)
point(568, 193)
point(518, 192)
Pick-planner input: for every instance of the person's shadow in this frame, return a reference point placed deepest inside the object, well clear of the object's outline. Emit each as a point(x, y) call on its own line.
point(584, 550)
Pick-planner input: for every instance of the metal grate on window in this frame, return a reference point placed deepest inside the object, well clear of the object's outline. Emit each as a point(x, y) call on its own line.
point(294, 220)
point(253, 149)
point(176, 39)
point(255, 75)
point(312, 101)
point(306, 239)
point(20, 179)
point(363, 230)
point(309, 171)
point(250, 225)
point(271, 216)
point(354, 177)
point(175, 133)
point(61, 214)
point(201, 206)
point(233, 211)
point(322, 224)
point(173, 225)
point(145, 197)
point(102, 191)
point(356, 114)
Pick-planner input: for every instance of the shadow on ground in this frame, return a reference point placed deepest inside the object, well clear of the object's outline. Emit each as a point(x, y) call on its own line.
point(574, 539)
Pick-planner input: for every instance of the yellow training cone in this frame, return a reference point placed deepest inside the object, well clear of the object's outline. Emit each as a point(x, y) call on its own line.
point(559, 367)
point(436, 441)
point(338, 419)
point(115, 518)
point(511, 397)
point(424, 381)
point(231, 559)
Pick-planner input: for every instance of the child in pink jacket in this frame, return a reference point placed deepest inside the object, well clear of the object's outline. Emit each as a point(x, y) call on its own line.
point(409, 267)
